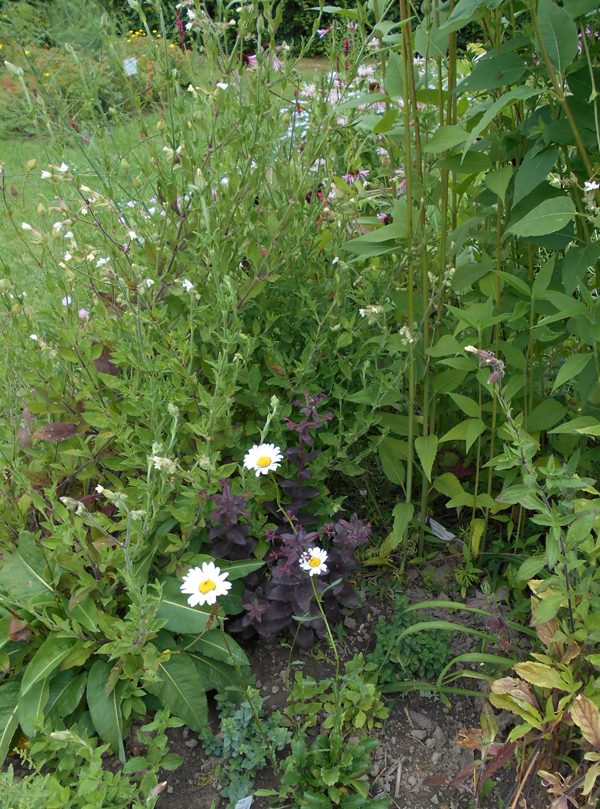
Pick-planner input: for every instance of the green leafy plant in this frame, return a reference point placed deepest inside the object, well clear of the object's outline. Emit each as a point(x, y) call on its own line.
point(241, 742)
point(420, 655)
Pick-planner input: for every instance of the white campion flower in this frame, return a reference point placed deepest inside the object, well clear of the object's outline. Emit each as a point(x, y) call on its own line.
point(205, 584)
point(102, 261)
point(34, 337)
point(69, 234)
point(67, 300)
point(57, 226)
point(471, 349)
point(263, 458)
point(26, 226)
point(166, 464)
point(221, 85)
point(313, 561)
point(149, 282)
point(591, 186)
point(63, 168)
point(67, 256)
point(187, 285)
point(46, 175)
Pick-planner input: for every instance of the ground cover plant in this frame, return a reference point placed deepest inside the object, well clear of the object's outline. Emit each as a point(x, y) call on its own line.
point(255, 285)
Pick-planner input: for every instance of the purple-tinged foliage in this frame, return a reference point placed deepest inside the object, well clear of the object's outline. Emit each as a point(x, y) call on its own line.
point(282, 589)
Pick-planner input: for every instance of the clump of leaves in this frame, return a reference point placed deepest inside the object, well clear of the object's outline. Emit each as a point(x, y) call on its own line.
point(242, 742)
point(423, 654)
point(282, 590)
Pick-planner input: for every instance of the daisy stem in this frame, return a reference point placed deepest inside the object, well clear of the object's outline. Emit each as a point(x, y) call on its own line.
point(331, 640)
point(249, 699)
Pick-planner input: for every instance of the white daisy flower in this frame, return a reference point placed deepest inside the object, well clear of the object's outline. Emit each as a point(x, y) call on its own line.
point(187, 285)
point(313, 561)
point(263, 458)
point(205, 584)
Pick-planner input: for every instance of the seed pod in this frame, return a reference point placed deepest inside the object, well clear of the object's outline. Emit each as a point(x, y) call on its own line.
point(13, 191)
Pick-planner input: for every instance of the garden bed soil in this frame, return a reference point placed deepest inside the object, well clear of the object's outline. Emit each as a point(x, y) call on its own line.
point(417, 741)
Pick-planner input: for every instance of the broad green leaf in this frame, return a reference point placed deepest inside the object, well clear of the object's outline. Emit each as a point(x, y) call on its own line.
point(559, 34)
point(515, 282)
point(431, 42)
point(518, 94)
point(544, 276)
point(9, 698)
point(541, 675)
point(498, 180)
point(386, 122)
point(545, 415)
point(468, 430)
point(177, 613)
point(572, 367)
point(548, 217)
point(447, 344)
point(426, 449)
point(85, 612)
point(212, 644)
point(572, 427)
point(491, 72)
point(66, 691)
point(181, 690)
point(403, 514)
point(22, 573)
point(468, 406)
point(444, 138)
point(106, 710)
point(216, 675)
point(394, 84)
point(472, 163)
point(31, 706)
point(477, 529)
point(548, 608)
point(4, 627)
point(47, 658)
point(531, 567)
point(393, 453)
point(577, 8)
point(577, 262)
point(533, 170)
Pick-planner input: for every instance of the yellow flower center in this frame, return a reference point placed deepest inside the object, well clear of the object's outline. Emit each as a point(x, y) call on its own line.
point(314, 562)
point(207, 585)
point(263, 461)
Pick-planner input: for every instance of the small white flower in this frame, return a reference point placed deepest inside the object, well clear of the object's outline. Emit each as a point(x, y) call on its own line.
point(99, 489)
point(222, 85)
point(57, 226)
point(205, 584)
point(63, 167)
point(362, 312)
point(471, 349)
point(25, 226)
point(34, 337)
point(67, 300)
point(46, 175)
point(102, 261)
point(69, 234)
point(132, 234)
point(166, 464)
point(187, 285)
point(149, 282)
point(225, 181)
point(590, 186)
point(67, 256)
point(335, 260)
point(313, 561)
point(263, 458)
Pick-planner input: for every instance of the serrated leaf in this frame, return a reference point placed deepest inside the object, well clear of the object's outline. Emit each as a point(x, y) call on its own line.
point(541, 675)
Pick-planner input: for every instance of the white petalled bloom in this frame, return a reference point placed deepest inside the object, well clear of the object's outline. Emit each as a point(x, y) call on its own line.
point(205, 584)
point(67, 256)
point(335, 260)
point(263, 458)
point(34, 337)
point(69, 234)
point(99, 489)
point(25, 226)
point(149, 282)
point(313, 561)
point(57, 226)
point(46, 175)
point(166, 464)
point(187, 285)
point(102, 261)
point(225, 181)
point(471, 349)
point(67, 300)
point(590, 186)
point(63, 167)
point(222, 85)
point(132, 234)
point(362, 312)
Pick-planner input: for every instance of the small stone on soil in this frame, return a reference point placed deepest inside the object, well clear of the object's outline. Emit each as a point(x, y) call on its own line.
point(191, 743)
point(350, 623)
